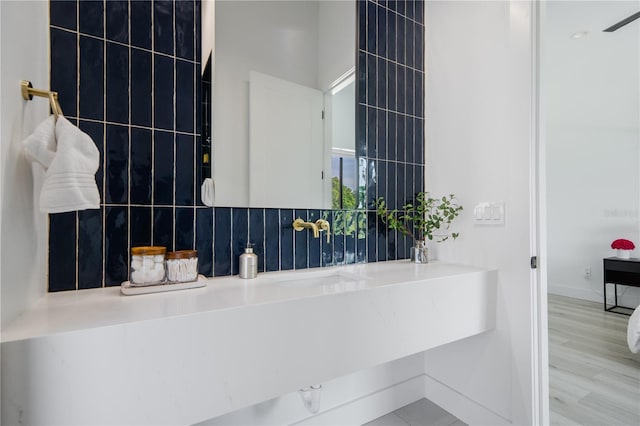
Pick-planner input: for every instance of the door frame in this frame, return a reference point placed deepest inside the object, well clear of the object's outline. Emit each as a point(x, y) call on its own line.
point(538, 226)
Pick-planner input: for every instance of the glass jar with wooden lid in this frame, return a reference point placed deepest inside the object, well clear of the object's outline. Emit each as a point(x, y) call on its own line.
point(182, 266)
point(147, 265)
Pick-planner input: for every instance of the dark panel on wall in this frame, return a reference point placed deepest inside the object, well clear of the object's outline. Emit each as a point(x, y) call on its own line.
point(91, 78)
point(90, 258)
point(184, 227)
point(222, 241)
point(64, 68)
point(141, 166)
point(62, 260)
point(257, 235)
point(204, 240)
point(63, 14)
point(116, 246)
point(141, 87)
point(272, 239)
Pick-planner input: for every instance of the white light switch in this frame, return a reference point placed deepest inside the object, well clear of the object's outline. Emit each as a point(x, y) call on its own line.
point(486, 212)
point(496, 212)
point(489, 213)
point(477, 212)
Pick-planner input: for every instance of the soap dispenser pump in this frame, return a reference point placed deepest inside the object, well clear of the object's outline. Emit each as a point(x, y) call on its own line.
point(248, 263)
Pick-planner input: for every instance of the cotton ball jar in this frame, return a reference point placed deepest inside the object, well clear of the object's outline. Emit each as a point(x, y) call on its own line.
point(147, 265)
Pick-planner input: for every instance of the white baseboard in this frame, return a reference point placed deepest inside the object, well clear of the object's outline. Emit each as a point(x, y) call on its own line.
point(627, 296)
point(576, 293)
point(288, 409)
point(459, 405)
point(372, 406)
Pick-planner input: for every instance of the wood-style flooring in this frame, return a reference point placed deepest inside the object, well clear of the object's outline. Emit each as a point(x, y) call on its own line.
point(593, 377)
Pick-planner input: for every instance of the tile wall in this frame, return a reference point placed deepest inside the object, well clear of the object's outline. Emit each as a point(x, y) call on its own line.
point(390, 114)
point(116, 66)
point(135, 90)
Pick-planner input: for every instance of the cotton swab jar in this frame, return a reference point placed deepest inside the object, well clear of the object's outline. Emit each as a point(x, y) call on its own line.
point(182, 266)
point(147, 265)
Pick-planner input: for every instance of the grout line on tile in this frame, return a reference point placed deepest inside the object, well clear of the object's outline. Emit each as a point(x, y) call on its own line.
point(104, 151)
point(106, 40)
point(130, 73)
point(153, 123)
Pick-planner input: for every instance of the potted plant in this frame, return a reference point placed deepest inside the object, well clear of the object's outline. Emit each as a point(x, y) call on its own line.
point(422, 220)
point(623, 248)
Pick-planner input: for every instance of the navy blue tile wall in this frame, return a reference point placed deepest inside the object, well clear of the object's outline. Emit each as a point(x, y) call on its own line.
point(239, 235)
point(257, 236)
point(390, 87)
point(150, 172)
point(204, 240)
point(222, 241)
point(272, 239)
point(109, 59)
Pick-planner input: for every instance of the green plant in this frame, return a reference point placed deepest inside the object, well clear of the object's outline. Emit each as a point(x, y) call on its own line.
point(421, 219)
point(348, 195)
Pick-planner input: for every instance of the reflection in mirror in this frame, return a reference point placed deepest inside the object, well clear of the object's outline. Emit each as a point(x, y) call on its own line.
point(284, 104)
point(205, 148)
point(340, 138)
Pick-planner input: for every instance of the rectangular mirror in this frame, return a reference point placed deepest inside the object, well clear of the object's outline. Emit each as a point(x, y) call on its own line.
point(284, 104)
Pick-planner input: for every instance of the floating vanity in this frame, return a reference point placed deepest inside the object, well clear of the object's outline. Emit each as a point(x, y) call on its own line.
point(184, 357)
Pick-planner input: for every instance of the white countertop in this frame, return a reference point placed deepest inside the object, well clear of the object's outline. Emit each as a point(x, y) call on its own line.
point(86, 309)
point(186, 356)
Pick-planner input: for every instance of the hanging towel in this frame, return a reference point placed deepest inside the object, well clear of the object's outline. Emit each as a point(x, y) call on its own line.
point(71, 160)
point(41, 145)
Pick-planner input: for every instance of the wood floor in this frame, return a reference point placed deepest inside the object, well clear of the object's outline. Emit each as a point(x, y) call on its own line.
point(593, 377)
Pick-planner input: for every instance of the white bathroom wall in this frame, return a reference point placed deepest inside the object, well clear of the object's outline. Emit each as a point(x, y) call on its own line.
point(208, 37)
point(275, 38)
point(478, 109)
point(343, 118)
point(591, 107)
point(24, 46)
point(336, 40)
point(349, 400)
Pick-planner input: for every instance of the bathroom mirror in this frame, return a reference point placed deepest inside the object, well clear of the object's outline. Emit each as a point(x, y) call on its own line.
point(284, 104)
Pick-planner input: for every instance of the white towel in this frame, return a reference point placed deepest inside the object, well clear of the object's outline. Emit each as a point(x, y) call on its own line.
point(41, 145)
point(71, 160)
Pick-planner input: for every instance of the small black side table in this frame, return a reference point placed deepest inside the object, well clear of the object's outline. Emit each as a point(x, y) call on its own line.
point(620, 272)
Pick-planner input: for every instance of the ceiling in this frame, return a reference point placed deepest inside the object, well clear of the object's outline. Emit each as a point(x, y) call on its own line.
point(593, 79)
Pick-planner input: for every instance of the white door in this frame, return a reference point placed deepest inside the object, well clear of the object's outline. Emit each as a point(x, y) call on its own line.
point(285, 144)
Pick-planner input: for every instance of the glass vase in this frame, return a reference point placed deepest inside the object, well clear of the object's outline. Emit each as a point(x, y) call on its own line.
point(419, 252)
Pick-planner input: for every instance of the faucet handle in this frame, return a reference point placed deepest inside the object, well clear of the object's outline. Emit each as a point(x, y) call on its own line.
point(324, 225)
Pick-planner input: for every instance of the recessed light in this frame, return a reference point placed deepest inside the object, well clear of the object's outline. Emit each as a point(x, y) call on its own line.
point(580, 34)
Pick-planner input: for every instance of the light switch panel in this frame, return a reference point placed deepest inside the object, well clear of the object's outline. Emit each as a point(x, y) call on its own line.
point(489, 213)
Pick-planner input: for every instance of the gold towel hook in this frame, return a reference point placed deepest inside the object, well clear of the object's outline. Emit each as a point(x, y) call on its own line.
point(28, 92)
point(53, 100)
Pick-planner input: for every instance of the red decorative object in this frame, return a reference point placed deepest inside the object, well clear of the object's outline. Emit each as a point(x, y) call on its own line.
point(622, 244)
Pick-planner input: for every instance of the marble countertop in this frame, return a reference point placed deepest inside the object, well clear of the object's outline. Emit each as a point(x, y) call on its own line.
point(86, 309)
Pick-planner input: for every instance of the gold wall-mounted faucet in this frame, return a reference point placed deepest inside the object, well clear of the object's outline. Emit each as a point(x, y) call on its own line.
point(323, 225)
point(300, 224)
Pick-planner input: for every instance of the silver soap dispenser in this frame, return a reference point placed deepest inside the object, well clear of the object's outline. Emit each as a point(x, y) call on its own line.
point(248, 263)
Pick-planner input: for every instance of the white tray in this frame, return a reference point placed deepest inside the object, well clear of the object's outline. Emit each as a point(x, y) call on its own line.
point(129, 290)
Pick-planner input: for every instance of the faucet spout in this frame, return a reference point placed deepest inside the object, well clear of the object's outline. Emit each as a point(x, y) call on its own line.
point(323, 225)
point(300, 224)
